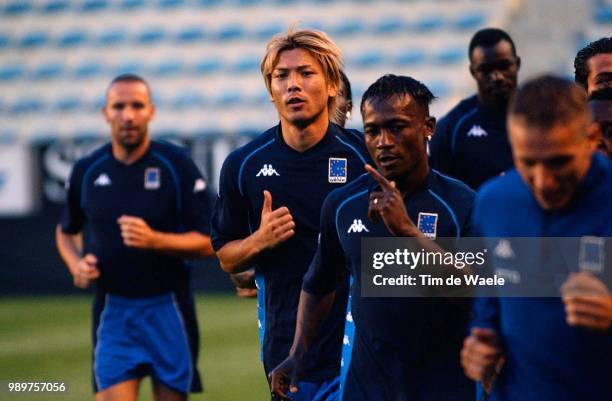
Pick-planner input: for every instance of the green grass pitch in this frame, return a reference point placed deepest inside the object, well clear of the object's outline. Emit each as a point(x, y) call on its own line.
point(48, 339)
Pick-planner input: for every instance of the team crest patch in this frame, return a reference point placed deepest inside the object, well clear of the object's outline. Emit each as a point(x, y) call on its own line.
point(152, 178)
point(428, 223)
point(337, 170)
point(592, 254)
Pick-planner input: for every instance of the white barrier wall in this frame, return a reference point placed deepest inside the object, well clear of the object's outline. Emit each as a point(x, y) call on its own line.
point(16, 187)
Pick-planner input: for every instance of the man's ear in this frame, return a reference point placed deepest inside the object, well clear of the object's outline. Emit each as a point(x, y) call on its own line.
point(593, 135)
point(333, 90)
point(472, 71)
point(430, 124)
point(103, 110)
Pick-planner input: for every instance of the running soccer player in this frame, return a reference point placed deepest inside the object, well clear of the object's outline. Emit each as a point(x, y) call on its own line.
point(245, 281)
point(141, 207)
point(404, 348)
point(270, 197)
point(554, 348)
point(593, 65)
point(470, 142)
point(600, 104)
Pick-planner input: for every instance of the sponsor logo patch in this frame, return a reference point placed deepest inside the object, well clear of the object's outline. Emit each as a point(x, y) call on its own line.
point(152, 178)
point(428, 224)
point(337, 170)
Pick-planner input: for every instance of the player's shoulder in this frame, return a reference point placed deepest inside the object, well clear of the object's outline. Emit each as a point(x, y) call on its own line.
point(452, 189)
point(598, 180)
point(461, 109)
point(504, 189)
point(246, 151)
point(94, 157)
point(170, 150)
point(349, 134)
point(173, 156)
point(604, 165)
point(353, 139)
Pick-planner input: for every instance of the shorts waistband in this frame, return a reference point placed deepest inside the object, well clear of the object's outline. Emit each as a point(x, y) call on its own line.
point(117, 300)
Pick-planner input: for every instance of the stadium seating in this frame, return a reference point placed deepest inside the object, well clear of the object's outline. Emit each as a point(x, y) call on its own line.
point(54, 6)
point(190, 34)
point(202, 56)
point(46, 71)
point(603, 14)
point(34, 39)
point(17, 7)
point(11, 72)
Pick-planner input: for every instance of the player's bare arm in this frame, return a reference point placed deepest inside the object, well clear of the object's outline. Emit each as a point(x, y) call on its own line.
point(245, 283)
point(83, 269)
point(276, 227)
point(137, 233)
point(312, 310)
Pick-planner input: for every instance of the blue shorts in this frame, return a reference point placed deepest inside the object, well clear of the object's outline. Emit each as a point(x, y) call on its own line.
point(137, 337)
point(327, 390)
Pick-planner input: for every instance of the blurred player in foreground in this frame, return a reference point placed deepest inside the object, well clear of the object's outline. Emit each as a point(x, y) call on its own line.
point(404, 348)
point(547, 348)
point(270, 197)
point(471, 142)
point(141, 207)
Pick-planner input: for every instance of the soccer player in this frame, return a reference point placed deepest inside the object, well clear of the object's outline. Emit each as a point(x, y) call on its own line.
point(344, 102)
point(593, 65)
point(141, 207)
point(554, 348)
point(404, 348)
point(245, 281)
point(270, 197)
point(600, 104)
point(470, 142)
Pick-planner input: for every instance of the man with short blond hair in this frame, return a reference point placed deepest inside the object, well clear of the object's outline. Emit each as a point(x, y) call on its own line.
point(270, 196)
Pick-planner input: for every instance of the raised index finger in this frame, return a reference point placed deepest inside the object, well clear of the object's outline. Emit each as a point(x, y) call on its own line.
point(384, 183)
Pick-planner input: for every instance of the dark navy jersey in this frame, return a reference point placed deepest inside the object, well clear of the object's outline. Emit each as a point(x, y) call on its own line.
point(546, 359)
point(404, 348)
point(164, 188)
point(300, 181)
point(471, 144)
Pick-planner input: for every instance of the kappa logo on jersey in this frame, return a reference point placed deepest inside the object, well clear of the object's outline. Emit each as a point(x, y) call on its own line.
point(267, 171)
point(337, 170)
point(503, 250)
point(152, 178)
point(357, 227)
point(349, 317)
point(199, 185)
point(102, 181)
point(477, 132)
point(428, 224)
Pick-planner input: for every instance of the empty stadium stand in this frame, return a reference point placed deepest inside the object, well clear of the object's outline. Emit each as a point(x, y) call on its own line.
point(50, 50)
